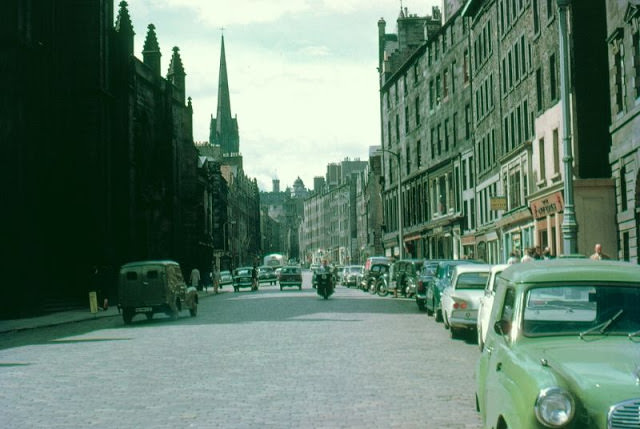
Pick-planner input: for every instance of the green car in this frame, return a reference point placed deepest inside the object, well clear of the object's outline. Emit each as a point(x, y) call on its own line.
point(563, 347)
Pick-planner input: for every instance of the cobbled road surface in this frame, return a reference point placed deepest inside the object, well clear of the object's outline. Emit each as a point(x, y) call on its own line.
point(266, 359)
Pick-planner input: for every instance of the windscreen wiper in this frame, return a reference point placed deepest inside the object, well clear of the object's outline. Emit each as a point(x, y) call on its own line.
point(602, 326)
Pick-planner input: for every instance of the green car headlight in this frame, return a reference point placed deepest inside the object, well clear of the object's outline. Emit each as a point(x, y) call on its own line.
point(554, 407)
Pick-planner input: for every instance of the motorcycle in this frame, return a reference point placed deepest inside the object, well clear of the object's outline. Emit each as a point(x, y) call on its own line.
point(325, 284)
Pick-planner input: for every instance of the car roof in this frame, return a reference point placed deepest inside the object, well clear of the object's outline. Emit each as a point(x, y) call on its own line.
point(150, 262)
point(472, 268)
point(499, 268)
point(572, 270)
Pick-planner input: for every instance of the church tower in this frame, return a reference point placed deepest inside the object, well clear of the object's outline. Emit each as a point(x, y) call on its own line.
point(223, 130)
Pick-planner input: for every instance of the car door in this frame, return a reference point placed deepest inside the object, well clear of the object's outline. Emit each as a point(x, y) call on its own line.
point(498, 385)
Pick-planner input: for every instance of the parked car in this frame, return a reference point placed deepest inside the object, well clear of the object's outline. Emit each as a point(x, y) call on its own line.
point(352, 275)
point(460, 300)
point(428, 271)
point(225, 278)
point(149, 287)
point(562, 347)
point(439, 282)
point(290, 276)
point(267, 274)
point(486, 301)
point(370, 276)
point(408, 271)
point(242, 277)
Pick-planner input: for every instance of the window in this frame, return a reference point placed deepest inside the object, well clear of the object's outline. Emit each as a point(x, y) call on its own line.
point(439, 129)
point(465, 66)
point(419, 153)
point(397, 127)
point(417, 110)
point(454, 127)
point(636, 61)
point(623, 188)
point(467, 121)
point(389, 133)
point(541, 168)
point(539, 89)
point(445, 83)
point(550, 8)
point(453, 77)
point(619, 78)
point(406, 119)
point(556, 152)
point(536, 17)
point(438, 89)
point(446, 135)
point(408, 160)
point(431, 95)
point(553, 81)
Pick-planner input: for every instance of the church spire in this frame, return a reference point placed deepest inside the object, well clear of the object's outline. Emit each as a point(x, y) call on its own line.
point(151, 52)
point(226, 128)
point(176, 73)
point(124, 28)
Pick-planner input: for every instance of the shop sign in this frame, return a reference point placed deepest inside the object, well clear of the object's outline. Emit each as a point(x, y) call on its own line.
point(498, 203)
point(546, 206)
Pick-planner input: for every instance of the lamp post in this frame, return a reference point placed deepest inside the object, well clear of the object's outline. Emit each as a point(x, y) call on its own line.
point(569, 223)
point(400, 243)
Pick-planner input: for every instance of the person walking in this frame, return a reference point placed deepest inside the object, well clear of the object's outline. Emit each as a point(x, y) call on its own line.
point(597, 253)
point(195, 278)
point(513, 258)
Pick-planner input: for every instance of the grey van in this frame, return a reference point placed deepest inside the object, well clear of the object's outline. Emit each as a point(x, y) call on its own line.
point(148, 287)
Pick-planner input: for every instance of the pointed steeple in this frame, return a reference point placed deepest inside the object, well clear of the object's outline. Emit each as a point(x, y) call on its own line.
point(151, 52)
point(124, 28)
point(225, 126)
point(176, 73)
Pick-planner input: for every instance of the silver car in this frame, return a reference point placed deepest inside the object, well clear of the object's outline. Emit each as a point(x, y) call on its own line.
point(460, 300)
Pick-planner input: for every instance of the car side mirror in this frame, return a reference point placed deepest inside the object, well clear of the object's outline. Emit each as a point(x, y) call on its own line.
point(502, 327)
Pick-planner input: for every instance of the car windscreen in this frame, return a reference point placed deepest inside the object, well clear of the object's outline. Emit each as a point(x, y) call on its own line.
point(472, 280)
point(582, 309)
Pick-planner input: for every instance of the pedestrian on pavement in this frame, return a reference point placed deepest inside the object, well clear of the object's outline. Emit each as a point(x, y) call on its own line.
point(528, 255)
point(597, 254)
point(254, 277)
point(195, 278)
point(513, 258)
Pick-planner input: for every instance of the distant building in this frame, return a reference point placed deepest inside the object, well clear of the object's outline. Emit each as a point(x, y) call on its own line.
point(236, 217)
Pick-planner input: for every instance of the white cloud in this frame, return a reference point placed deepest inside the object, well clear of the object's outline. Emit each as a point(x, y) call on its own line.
point(302, 75)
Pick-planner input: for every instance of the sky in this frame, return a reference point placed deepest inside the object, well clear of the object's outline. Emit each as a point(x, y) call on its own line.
point(303, 77)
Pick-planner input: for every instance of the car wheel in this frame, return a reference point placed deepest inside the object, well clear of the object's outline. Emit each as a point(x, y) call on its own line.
point(445, 321)
point(454, 333)
point(280, 287)
point(149, 315)
point(438, 313)
point(420, 304)
point(299, 287)
point(193, 311)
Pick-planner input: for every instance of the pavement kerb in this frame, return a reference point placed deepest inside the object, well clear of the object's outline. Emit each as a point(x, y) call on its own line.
point(64, 317)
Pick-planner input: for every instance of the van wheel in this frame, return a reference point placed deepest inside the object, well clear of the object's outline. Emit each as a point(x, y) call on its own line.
point(193, 311)
point(127, 315)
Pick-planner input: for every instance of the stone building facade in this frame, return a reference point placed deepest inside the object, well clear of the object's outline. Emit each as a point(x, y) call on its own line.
point(471, 116)
point(623, 37)
point(99, 164)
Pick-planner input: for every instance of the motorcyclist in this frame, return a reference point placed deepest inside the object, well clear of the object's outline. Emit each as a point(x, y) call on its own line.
point(327, 269)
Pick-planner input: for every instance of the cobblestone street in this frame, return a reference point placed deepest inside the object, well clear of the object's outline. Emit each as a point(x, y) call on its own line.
point(265, 359)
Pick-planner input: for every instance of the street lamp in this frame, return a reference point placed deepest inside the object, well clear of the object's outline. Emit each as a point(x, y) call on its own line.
point(569, 223)
point(400, 243)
